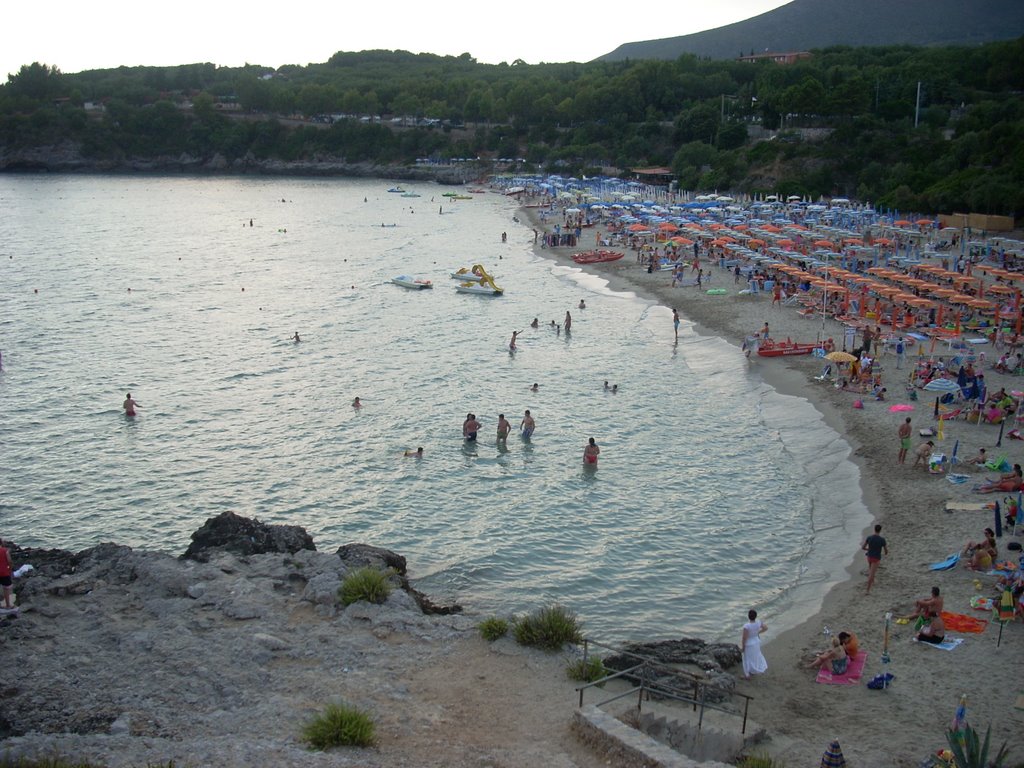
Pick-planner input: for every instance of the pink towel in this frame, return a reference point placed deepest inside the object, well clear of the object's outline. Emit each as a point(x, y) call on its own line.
point(851, 676)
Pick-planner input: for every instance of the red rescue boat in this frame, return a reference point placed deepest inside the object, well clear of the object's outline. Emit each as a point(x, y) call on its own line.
point(596, 257)
point(769, 348)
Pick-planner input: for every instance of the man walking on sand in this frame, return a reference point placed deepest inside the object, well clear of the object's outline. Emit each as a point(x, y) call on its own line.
point(874, 545)
point(904, 436)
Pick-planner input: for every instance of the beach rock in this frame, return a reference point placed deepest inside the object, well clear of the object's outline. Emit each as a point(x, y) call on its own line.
point(368, 556)
point(686, 650)
point(244, 536)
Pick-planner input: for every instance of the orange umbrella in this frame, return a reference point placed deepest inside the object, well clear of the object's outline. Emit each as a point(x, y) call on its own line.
point(924, 222)
point(668, 226)
point(638, 228)
point(901, 223)
point(755, 241)
point(823, 243)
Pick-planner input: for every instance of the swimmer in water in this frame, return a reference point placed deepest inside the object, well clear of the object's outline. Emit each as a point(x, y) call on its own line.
point(527, 425)
point(590, 453)
point(129, 405)
point(606, 385)
point(356, 403)
point(512, 343)
point(296, 338)
point(583, 304)
point(535, 387)
point(470, 427)
point(417, 454)
point(615, 388)
point(503, 428)
point(534, 324)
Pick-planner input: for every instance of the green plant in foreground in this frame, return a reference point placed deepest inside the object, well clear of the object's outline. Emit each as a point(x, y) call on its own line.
point(367, 584)
point(759, 761)
point(548, 628)
point(340, 725)
point(586, 670)
point(493, 628)
point(973, 753)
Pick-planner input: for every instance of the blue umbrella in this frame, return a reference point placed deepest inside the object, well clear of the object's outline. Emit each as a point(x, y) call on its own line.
point(942, 385)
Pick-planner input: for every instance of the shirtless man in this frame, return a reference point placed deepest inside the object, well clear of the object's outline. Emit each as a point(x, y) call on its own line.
point(503, 428)
point(526, 426)
point(927, 605)
point(904, 435)
point(512, 343)
point(356, 403)
point(129, 405)
point(470, 427)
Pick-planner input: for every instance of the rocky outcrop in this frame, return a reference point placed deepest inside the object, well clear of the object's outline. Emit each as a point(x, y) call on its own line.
point(228, 532)
point(711, 661)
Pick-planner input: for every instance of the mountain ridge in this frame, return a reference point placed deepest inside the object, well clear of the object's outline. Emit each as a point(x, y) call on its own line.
point(806, 24)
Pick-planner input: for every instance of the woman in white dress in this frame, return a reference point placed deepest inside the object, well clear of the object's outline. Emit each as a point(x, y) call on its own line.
point(753, 659)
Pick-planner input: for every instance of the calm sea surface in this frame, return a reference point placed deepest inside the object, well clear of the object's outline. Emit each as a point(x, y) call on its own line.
point(714, 493)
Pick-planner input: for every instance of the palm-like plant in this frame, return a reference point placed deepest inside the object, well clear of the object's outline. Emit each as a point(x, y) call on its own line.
point(971, 752)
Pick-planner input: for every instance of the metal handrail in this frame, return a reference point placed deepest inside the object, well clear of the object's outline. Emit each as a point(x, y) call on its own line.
point(644, 669)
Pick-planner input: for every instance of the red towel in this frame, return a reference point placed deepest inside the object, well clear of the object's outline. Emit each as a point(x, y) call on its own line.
point(851, 676)
point(961, 622)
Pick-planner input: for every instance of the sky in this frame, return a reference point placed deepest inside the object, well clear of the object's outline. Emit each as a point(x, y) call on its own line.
point(79, 35)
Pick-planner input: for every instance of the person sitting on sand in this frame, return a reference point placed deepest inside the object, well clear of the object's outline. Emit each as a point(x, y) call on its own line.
point(981, 554)
point(933, 632)
point(850, 643)
point(834, 659)
point(1005, 483)
point(927, 605)
point(924, 450)
point(981, 458)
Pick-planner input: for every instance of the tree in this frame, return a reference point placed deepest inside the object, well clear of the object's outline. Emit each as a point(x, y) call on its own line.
point(36, 81)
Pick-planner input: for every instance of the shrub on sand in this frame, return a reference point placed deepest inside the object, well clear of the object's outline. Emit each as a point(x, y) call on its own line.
point(586, 670)
point(340, 725)
point(548, 628)
point(493, 628)
point(367, 584)
point(759, 761)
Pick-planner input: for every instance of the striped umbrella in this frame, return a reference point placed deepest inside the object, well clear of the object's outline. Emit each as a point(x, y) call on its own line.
point(833, 757)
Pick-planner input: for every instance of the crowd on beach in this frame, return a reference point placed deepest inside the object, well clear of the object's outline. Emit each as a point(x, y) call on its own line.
point(927, 317)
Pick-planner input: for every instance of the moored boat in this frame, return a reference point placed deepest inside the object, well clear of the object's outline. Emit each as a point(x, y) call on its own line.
point(769, 348)
point(596, 257)
point(407, 281)
point(482, 289)
point(396, 189)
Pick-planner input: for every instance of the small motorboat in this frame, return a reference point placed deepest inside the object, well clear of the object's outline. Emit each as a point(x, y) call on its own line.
point(483, 289)
point(596, 257)
point(396, 189)
point(769, 348)
point(407, 281)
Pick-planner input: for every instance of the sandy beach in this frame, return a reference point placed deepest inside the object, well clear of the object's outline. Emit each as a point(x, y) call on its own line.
point(900, 726)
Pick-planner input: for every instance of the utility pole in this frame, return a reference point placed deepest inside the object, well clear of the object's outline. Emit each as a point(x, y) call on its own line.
point(917, 105)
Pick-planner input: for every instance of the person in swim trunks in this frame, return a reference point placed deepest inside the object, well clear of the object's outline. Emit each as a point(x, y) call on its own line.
point(470, 427)
point(503, 428)
point(527, 425)
point(873, 547)
point(904, 435)
point(591, 452)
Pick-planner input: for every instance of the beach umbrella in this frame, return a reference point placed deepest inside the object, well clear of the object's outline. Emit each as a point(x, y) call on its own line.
point(958, 728)
point(840, 357)
point(942, 385)
point(833, 757)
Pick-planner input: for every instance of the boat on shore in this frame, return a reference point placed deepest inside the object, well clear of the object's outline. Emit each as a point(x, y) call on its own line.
point(407, 281)
point(596, 257)
point(769, 348)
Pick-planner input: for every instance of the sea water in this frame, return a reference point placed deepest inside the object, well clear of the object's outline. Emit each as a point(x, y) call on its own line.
point(713, 493)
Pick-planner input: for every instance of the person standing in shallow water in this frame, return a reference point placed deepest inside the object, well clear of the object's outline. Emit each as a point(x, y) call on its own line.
point(568, 322)
point(591, 452)
point(129, 405)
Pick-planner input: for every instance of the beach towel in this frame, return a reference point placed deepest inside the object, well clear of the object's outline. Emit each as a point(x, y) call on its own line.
point(980, 603)
point(946, 564)
point(946, 645)
point(961, 622)
point(957, 479)
point(851, 676)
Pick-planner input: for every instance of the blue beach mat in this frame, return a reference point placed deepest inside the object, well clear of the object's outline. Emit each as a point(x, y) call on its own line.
point(946, 564)
point(946, 645)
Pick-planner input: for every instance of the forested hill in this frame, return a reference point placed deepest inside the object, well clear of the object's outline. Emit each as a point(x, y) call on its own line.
point(805, 24)
point(932, 129)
